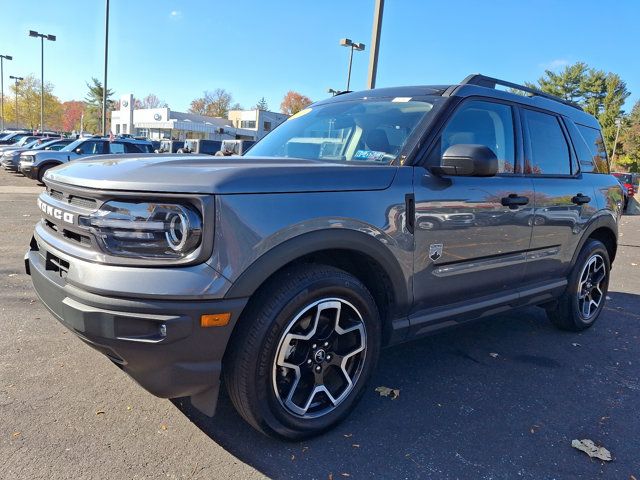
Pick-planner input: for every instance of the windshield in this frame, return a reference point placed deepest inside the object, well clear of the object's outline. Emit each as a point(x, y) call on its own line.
point(73, 145)
point(359, 131)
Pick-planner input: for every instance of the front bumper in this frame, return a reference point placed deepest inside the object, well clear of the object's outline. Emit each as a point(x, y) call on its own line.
point(158, 342)
point(25, 168)
point(9, 164)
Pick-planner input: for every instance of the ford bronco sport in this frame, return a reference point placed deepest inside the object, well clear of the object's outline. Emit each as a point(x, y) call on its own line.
point(365, 220)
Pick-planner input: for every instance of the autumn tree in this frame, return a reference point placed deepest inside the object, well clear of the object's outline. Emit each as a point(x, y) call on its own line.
point(93, 112)
point(293, 102)
point(600, 93)
point(71, 115)
point(28, 114)
point(630, 139)
point(262, 105)
point(212, 104)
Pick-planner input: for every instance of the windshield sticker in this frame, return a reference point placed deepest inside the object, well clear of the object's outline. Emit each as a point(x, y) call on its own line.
point(401, 99)
point(369, 155)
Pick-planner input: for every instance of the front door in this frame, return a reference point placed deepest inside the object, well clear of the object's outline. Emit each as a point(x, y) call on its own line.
point(472, 234)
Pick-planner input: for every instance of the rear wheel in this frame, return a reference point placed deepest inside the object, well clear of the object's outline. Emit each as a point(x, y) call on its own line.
point(303, 353)
point(583, 301)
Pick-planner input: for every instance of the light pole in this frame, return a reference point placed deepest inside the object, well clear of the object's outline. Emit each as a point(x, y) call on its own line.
point(52, 38)
point(376, 30)
point(346, 42)
point(2, 58)
point(17, 79)
point(104, 86)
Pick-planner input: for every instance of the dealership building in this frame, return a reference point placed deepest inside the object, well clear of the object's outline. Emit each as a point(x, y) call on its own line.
point(159, 123)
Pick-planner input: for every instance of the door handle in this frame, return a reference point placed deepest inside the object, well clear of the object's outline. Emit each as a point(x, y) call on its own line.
point(514, 201)
point(579, 199)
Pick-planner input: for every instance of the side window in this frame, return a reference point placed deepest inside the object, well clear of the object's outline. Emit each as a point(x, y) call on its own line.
point(548, 152)
point(483, 123)
point(115, 147)
point(593, 139)
point(91, 148)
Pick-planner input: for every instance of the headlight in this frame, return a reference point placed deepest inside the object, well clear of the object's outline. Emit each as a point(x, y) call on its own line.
point(148, 229)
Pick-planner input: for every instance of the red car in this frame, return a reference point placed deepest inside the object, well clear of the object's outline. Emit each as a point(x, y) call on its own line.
point(626, 180)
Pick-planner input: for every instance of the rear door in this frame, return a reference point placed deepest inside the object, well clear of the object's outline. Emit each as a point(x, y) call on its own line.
point(564, 198)
point(472, 233)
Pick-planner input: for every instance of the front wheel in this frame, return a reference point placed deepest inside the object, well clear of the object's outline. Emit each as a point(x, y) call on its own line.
point(583, 301)
point(303, 353)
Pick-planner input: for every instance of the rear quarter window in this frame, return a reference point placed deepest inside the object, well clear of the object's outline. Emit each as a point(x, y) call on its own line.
point(598, 162)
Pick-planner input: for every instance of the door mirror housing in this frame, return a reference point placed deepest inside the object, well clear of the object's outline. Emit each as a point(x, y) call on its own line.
point(468, 160)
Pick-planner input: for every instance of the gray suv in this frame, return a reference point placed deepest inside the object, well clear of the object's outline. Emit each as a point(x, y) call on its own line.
point(35, 164)
point(366, 220)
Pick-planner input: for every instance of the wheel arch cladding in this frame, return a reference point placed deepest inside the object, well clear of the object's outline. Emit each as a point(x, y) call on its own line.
point(604, 229)
point(355, 252)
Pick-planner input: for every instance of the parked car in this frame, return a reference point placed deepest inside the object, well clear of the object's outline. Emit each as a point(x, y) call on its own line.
point(288, 271)
point(170, 146)
point(628, 185)
point(11, 158)
point(234, 147)
point(35, 164)
point(9, 138)
point(210, 147)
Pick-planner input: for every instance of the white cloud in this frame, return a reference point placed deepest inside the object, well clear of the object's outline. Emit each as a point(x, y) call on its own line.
point(175, 14)
point(555, 64)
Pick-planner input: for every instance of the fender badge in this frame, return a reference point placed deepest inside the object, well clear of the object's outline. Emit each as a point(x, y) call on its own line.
point(435, 251)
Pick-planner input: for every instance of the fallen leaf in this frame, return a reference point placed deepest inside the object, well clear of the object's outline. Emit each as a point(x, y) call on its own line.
point(330, 477)
point(304, 449)
point(163, 426)
point(634, 264)
point(128, 407)
point(494, 355)
point(632, 478)
point(293, 457)
point(16, 434)
point(587, 446)
point(576, 344)
point(100, 412)
point(388, 392)
point(355, 445)
point(13, 274)
point(349, 435)
point(345, 474)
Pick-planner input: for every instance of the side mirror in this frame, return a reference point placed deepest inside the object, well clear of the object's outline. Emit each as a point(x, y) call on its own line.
point(468, 160)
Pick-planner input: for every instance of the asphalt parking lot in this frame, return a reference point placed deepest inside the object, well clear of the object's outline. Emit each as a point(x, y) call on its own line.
point(499, 399)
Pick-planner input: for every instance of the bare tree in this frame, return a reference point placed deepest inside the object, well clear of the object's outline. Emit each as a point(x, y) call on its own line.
point(212, 104)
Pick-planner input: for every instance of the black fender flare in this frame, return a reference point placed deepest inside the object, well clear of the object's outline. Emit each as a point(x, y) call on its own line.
point(45, 164)
point(328, 239)
point(603, 220)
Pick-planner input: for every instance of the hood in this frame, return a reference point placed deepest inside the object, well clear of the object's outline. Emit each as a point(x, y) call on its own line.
point(185, 173)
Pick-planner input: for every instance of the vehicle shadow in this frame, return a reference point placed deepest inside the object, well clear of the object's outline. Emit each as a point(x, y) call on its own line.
point(499, 398)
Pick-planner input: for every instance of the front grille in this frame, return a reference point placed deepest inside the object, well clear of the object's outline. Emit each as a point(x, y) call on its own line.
point(83, 202)
point(56, 194)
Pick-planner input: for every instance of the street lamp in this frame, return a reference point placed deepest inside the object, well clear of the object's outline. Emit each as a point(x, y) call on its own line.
point(2, 57)
point(346, 42)
point(106, 56)
point(17, 79)
point(52, 38)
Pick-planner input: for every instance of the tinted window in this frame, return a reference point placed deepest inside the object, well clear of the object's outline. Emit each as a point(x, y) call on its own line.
point(593, 139)
point(91, 147)
point(115, 147)
point(548, 150)
point(483, 123)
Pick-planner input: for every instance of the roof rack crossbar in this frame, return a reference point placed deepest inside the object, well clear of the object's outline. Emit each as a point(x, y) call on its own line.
point(490, 82)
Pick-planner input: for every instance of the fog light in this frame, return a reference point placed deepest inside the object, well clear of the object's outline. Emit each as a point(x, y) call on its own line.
point(215, 320)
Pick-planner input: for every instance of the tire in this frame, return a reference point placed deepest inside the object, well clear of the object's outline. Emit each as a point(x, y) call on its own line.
point(582, 302)
point(42, 171)
point(289, 325)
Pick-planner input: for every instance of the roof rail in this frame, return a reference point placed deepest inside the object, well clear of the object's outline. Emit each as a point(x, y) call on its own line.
point(489, 82)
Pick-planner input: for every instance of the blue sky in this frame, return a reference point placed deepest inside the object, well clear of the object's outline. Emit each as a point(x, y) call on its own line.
point(179, 48)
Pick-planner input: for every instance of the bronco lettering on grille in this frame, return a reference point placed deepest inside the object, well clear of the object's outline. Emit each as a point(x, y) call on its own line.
point(55, 212)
